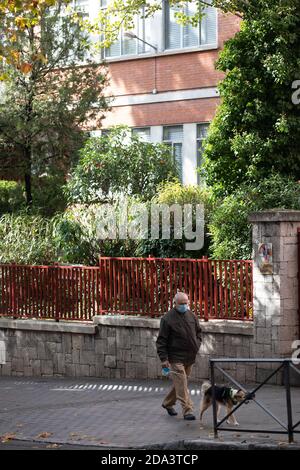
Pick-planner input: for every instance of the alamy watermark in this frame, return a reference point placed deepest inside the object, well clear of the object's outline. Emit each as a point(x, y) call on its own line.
point(296, 94)
point(152, 222)
point(296, 352)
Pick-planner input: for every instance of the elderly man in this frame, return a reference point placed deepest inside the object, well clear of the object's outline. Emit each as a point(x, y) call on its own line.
point(177, 344)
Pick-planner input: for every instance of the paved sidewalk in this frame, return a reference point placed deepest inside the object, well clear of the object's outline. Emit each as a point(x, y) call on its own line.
point(123, 414)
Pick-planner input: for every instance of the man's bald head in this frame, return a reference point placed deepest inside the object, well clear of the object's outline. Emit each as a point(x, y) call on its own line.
point(180, 299)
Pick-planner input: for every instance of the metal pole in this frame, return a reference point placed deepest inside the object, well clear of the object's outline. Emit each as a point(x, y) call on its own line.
point(288, 400)
point(212, 375)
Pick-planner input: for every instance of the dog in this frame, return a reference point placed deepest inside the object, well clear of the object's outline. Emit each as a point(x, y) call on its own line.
point(226, 396)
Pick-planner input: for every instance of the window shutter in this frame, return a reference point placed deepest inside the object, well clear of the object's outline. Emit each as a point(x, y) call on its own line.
point(190, 33)
point(143, 133)
point(173, 29)
point(209, 26)
point(174, 136)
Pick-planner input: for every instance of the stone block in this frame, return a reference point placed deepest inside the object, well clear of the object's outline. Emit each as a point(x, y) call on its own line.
point(100, 346)
point(130, 370)
point(89, 342)
point(87, 357)
point(122, 338)
point(70, 370)
point(77, 342)
point(82, 370)
point(67, 343)
point(17, 365)
point(5, 369)
point(47, 367)
point(76, 356)
point(110, 361)
point(111, 346)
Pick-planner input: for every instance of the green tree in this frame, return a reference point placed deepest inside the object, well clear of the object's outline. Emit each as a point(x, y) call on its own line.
point(119, 163)
point(230, 230)
point(256, 129)
point(48, 99)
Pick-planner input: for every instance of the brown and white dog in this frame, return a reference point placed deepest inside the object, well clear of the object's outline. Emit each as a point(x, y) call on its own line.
point(226, 396)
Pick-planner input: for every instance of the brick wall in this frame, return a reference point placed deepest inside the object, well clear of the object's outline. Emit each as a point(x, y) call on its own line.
point(176, 112)
point(175, 71)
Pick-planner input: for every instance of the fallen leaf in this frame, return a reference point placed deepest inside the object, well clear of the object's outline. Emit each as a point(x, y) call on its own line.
point(45, 434)
point(7, 437)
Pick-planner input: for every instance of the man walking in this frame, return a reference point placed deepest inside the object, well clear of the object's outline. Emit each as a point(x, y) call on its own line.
point(177, 344)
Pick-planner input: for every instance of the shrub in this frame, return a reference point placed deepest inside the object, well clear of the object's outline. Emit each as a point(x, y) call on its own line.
point(229, 227)
point(11, 196)
point(116, 163)
point(26, 239)
point(173, 192)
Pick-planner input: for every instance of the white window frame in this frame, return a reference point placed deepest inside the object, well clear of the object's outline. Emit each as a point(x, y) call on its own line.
point(172, 144)
point(199, 146)
point(182, 48)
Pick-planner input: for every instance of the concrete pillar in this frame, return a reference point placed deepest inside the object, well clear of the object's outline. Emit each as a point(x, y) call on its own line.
point(276, 314)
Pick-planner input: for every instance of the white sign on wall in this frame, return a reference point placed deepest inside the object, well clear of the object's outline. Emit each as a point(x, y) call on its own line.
point(2, 352)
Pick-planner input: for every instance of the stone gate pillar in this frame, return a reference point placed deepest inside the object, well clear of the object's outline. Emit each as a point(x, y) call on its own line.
point(276, 307)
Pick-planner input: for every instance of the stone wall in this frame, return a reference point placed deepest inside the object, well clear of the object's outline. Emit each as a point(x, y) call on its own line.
point(112, 347)
point(276, 302)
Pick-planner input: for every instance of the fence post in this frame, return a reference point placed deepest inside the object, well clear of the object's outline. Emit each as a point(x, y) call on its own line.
point(54, 276)
point(205, 269)
point(215, 418)
point(287, 384)
point(101, 286)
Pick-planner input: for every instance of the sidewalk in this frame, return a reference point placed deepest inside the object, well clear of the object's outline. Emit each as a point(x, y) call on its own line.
point(125, 414)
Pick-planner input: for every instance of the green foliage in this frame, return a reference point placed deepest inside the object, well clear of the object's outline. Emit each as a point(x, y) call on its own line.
point(44, 107)
point(118, 163)
point(229, 226)
point(48, 194)
point(256, 129)
point(11, 196)
point(26, 239)
point(169, 193)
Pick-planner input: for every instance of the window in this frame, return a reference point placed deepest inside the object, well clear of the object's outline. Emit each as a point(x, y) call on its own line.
point(125, 46)
point(183, 36)
point(202, 130)
point(143, 133)
point(173, 136)
point(82, 7)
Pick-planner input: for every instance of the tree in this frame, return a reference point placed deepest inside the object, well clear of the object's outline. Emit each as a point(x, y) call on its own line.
point(121, 13)
point(46, 105)
point(256, 129)
point(15, 16)
point(119, 163)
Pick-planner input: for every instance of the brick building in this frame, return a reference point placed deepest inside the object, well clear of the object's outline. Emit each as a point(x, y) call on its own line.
point(165, 89)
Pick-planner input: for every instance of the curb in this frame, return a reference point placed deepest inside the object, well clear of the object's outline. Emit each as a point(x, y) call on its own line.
point(189, 444)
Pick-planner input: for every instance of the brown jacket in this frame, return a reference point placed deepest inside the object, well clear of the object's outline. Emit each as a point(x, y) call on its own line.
point(179, 337)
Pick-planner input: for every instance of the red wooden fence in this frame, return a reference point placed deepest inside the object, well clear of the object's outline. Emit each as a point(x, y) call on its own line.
point(133, 286)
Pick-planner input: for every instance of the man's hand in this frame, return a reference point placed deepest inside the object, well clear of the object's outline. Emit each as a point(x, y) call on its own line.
point(165, 364)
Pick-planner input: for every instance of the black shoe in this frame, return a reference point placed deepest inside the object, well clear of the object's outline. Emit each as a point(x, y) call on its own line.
point(170, 410)
point(189, 417)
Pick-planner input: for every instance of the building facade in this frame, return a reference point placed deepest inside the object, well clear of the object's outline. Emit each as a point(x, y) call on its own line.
point(163, 78)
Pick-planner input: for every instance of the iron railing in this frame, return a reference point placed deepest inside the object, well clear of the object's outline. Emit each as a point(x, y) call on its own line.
point(132, 286)
point(285, 365)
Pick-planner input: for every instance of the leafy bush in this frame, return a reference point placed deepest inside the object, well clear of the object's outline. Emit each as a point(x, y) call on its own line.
point(49, 195)
point(26, 239)
point(11, 196)
point(117, 163)
point(173, 192)
point(229, 227)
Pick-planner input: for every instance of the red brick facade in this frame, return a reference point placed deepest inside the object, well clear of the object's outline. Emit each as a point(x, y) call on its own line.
point(171, 72)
